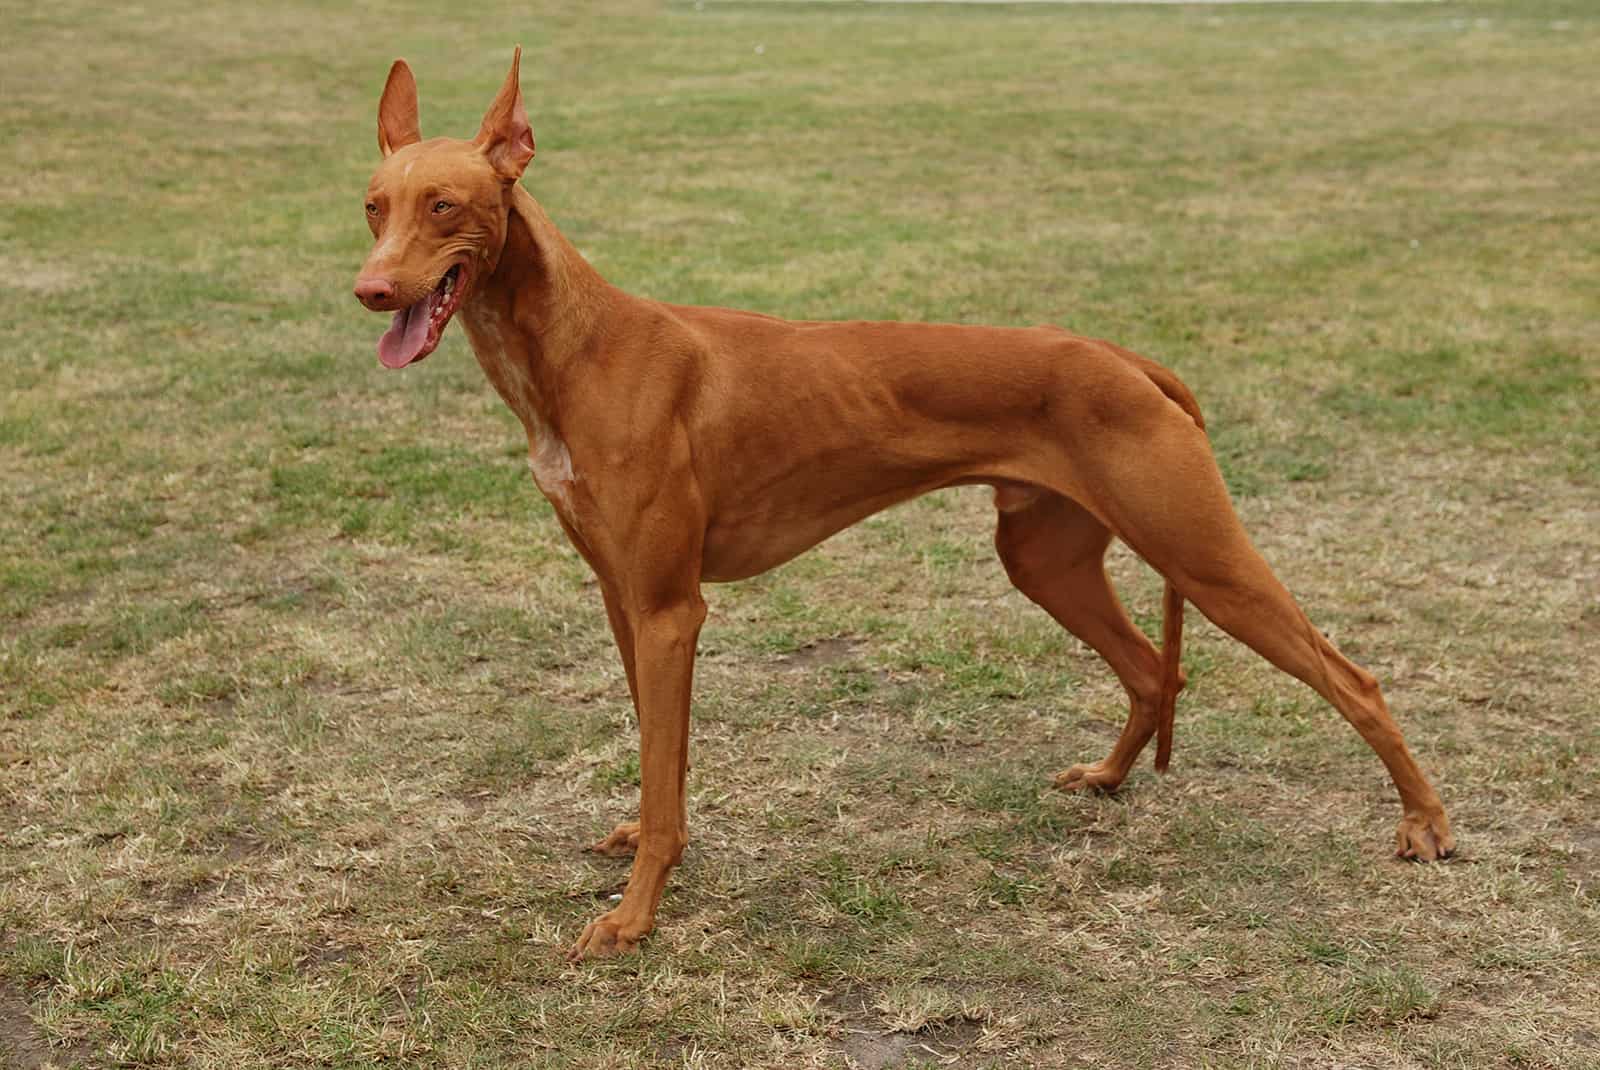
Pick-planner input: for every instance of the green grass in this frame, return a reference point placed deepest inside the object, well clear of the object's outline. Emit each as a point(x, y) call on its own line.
point(306, 707)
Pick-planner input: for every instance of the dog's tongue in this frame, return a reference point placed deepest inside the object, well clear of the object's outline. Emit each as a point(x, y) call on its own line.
point(402, 343)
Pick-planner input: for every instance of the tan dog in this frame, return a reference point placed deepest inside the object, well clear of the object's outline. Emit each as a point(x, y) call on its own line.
point(680, 445)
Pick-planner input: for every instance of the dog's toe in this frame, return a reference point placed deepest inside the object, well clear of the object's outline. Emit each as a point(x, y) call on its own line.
point(1424, 837)
point(624, 840)
point(1094, 776)
point(604, 937)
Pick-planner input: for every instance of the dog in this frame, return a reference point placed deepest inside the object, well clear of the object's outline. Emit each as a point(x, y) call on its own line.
point(682, 445)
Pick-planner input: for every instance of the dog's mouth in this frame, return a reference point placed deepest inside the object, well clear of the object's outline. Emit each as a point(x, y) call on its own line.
point(416, 329)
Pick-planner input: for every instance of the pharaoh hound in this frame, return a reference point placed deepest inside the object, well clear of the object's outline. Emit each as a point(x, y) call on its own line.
point(680, 445)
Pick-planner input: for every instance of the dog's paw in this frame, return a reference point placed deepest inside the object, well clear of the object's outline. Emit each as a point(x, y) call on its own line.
point(1424, 837)
point(1096, 776)
point(623, 841)
point(609, 934)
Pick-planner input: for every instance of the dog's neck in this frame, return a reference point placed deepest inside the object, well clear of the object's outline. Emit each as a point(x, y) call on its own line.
point(534, 314)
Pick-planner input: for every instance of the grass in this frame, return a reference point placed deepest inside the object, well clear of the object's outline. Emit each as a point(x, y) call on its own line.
point(306, 706)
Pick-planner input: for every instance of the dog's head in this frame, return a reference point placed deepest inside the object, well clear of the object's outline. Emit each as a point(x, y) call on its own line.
point(437, 210)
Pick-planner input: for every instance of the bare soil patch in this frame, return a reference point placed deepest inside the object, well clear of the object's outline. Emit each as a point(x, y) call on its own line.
point(22, 1044)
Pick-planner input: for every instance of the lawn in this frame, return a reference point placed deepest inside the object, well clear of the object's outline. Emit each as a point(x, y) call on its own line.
point(306, 706)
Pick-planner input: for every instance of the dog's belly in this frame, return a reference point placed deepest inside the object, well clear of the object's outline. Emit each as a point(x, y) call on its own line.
point(729, 557)
point(761, 536)
point(736, 551)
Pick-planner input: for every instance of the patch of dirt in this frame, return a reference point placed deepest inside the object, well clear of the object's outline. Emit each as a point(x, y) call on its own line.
point(22, 1045)
point(867, 1045)
point(872, 1051)
point(322, 954)
point(475, 801)
point(181, 896)
point(230, 848)
point(1586, 852)
point(236, 846)
point(819, 654)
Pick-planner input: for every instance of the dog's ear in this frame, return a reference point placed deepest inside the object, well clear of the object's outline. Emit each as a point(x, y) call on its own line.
point(397, 110)
point(505, 136)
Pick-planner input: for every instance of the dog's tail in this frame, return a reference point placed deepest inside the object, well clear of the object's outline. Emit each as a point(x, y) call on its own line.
point(1171, 673)
point(1169, 384)
point(1172, 678)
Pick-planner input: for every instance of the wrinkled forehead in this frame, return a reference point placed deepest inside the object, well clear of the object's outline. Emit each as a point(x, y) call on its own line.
point(439, 161)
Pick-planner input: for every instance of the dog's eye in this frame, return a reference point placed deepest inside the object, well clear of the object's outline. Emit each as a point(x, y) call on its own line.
point(441, 207)
point(372, 209)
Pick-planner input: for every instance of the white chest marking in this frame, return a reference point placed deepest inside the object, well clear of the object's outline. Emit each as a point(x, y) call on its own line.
point(552, 466)
point(548, 458)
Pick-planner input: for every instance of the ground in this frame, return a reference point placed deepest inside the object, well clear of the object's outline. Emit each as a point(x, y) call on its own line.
point(306, 707)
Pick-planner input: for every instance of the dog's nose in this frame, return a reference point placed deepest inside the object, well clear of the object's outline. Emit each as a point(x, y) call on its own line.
point(374, 293)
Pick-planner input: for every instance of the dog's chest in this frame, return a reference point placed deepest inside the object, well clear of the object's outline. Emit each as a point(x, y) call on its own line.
point(548, 457)
point(552, 469)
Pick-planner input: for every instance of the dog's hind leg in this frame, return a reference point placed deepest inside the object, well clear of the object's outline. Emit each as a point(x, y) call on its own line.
point(1154, 482)
point(1054, 552)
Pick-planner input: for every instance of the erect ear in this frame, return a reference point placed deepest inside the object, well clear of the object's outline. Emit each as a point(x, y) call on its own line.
point(397, 110)
point(505, 136)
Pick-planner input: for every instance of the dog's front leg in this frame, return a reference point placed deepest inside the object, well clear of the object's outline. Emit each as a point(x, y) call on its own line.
point(624, 839)
point(663, 655)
